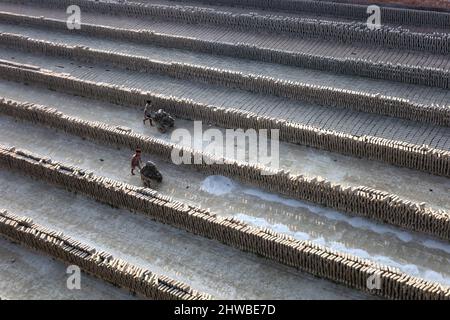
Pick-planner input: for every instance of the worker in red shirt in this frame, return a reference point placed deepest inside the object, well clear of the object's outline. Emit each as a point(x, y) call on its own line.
point(136, 161)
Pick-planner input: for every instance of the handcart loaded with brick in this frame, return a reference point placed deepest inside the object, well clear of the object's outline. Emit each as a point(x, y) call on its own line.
point(150, 174)
point(162, 119)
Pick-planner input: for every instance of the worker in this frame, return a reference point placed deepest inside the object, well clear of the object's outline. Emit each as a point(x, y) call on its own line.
point(136, 161)
point(162, 119)
point(147, 112)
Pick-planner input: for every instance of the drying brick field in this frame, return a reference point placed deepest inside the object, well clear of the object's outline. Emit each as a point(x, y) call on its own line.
point(358, 207)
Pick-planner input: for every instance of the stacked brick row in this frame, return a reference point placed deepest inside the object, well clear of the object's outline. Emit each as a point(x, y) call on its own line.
point(400, 153)
point(442, 5)
point(351, 10)
point(98, 263)
point(418, 74)
point(361, 201)
point(320, 261)
point(348, 32)
point(323, 95)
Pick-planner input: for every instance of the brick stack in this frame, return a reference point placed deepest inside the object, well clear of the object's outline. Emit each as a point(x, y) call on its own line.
point(420, 75)
point(419, 157)
point(436, 4)
point(320, 261)
point(348, 32)
point(353, 9)
point(255, 83)
point(361, 201)
point(98, 263)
